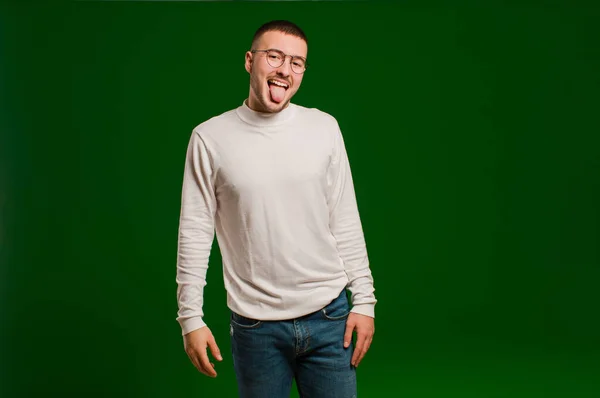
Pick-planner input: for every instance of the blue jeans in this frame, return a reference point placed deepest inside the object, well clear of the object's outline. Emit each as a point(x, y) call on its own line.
point(268, 355)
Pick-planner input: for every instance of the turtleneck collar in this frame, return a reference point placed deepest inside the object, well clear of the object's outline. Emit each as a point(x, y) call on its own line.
point(264, 119)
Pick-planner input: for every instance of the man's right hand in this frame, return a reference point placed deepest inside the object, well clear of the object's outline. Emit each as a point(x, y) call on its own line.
point(195, 343)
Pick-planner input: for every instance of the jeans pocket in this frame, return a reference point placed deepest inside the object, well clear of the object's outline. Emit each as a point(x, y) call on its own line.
point(338, 309)
point(244, 322)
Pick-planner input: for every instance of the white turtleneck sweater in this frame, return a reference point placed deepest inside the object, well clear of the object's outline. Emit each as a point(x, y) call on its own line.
point(278, 190)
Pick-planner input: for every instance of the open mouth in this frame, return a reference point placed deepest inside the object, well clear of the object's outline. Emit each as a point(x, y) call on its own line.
point(277, 88)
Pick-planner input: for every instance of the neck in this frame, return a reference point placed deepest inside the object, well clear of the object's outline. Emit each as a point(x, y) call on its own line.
point(254, 104)
point(256, 118)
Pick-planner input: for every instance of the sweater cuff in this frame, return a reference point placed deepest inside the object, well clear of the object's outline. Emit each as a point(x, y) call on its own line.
point(364, 309)
point(191, 324)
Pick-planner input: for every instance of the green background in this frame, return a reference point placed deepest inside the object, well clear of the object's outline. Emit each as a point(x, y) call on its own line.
point(473, 138)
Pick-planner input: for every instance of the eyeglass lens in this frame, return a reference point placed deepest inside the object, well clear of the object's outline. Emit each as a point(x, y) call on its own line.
point(276, 59)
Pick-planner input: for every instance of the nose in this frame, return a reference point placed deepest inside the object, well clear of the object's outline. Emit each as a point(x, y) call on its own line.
point(285, 68)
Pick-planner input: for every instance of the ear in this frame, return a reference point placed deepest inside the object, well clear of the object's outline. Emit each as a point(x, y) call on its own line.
point(248, 63)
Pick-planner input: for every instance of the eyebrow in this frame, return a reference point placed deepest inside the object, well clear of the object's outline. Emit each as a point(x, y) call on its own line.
point(276, 49)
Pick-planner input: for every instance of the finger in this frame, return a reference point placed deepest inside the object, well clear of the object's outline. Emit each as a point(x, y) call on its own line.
point(360, 353)
point(196, 364)
point(205, 364)
point(214, 349)
point(364, 351)
point(360, 343)
point(348, 333)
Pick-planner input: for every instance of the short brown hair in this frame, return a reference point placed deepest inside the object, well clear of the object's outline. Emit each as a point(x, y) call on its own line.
point(279, 25)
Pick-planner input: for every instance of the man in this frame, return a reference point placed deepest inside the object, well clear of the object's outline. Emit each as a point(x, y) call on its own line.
point(273, 179)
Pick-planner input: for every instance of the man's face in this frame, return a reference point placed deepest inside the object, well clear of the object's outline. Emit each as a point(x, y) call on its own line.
point(266, 96)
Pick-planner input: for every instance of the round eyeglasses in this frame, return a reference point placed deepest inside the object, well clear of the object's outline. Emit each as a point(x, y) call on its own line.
point(276, 58)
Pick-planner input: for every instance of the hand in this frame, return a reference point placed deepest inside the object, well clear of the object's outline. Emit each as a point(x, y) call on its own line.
point(195, 343)
point(365, 329)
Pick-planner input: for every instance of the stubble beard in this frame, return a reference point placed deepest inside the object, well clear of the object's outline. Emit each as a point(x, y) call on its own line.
point(264, 100)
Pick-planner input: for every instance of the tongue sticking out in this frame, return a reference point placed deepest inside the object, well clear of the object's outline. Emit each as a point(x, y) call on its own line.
point(277, 92)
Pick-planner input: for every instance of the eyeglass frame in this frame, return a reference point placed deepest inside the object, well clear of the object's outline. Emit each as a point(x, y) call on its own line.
point(284, 58)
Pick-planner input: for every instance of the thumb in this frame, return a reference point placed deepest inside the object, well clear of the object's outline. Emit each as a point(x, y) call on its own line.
point(348, 334)
point(214, 349)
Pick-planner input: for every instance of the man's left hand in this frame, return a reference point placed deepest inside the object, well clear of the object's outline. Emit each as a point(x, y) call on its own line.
point(365, 328)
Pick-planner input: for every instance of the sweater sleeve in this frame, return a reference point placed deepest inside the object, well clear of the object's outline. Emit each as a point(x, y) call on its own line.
point(196, 234)
point(345, 225)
